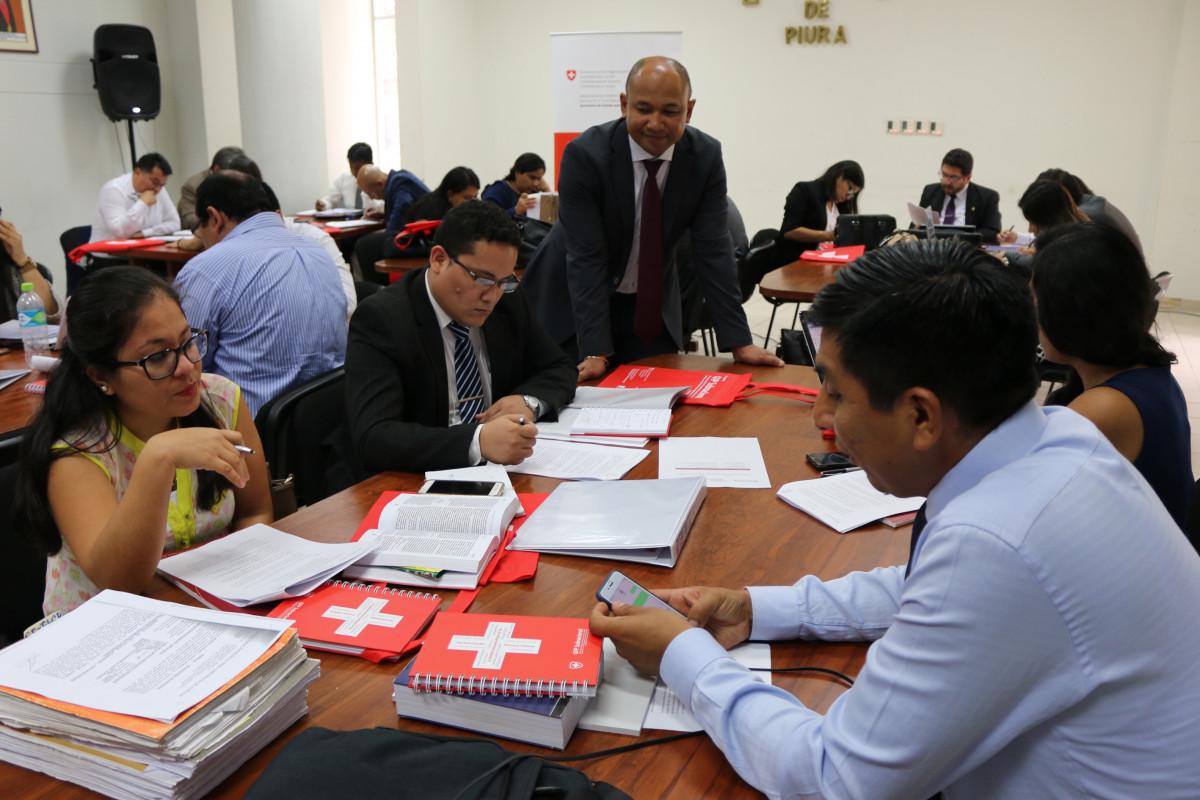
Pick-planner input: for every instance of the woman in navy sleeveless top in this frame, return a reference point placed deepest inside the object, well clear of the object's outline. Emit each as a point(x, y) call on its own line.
point(1094, 298)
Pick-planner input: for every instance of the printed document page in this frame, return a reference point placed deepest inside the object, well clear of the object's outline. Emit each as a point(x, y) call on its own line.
point(439, 531)
point(845, 502)
point(669, 713)
point(561, 431)
point(129, 654)
point(259, 563)
point(579, 462)
point(721, 461)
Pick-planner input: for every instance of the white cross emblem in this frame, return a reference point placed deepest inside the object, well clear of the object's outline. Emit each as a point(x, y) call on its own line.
point(357, 619)
point(494, 645)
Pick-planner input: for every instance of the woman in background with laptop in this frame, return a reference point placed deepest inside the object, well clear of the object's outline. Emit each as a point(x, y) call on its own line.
point(135, 450)
point(812, 207)
point(1094, 298)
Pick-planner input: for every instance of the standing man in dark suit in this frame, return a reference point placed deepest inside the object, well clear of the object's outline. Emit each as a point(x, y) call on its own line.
point(447, 367)
point(606, 286)
point(960, 202)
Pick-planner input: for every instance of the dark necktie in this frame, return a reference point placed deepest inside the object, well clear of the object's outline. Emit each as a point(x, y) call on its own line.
point(358, 198)
point(466, 375)
point(648, 318)
point(918, 526)
point(948, 217)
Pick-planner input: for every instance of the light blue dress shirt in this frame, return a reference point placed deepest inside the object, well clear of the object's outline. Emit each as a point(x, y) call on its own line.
point(273, 305)
point(1045, 645)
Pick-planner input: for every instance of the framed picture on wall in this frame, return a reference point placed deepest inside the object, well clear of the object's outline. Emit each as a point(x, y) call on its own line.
point(16, 27)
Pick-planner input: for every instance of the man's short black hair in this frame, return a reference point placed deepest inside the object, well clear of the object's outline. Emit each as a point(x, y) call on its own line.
point(149, 161)
point(224, 157)
point(360, 153)
point(959, 158)
point(475, 221)
point(941, 315)
point(235, 194)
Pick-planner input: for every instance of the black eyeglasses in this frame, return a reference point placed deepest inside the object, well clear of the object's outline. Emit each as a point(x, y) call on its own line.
point(163, 363)
point(507, 285)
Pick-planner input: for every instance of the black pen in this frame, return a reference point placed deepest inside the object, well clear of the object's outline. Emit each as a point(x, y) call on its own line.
point(520, 420)
point(841, 471)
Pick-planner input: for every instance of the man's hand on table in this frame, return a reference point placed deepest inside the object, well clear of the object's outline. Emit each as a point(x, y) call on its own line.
point(592, 367)
point(509, 404)
point(753, 354)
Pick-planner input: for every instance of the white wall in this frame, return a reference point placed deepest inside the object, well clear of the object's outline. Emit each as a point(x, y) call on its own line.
point(60, 147)
point(347, 67)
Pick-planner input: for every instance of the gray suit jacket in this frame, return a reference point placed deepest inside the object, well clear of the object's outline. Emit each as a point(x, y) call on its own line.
point(571, 279)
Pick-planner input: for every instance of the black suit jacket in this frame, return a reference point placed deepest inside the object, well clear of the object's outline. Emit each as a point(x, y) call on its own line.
point(397, 401)
point(573, 276)
point(983, 207)
point(804, 208)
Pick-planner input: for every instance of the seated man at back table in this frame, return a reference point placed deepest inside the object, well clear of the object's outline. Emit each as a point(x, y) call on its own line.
point(447, 367)
point(1042, 640)
point(345, 192)
point(960, 202)
point(270, 299)
point(136, 205)
point(222, 159)
point(398, 190)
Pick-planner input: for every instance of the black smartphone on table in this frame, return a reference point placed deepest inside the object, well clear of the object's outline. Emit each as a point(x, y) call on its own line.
point(826, 462)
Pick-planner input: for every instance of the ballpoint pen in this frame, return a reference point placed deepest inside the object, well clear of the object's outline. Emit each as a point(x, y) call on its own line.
point(241, 448)
point(840, 471)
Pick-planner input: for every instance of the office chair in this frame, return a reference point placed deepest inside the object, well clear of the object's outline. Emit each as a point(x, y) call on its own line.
point(297, 430)
point(364, 289)
point(69, 240)
point(23, 568)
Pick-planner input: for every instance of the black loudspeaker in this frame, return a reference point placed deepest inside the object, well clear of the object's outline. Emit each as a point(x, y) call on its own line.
point(125, 67)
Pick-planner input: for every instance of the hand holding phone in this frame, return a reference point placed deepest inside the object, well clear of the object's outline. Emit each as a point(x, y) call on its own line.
point(620, 588)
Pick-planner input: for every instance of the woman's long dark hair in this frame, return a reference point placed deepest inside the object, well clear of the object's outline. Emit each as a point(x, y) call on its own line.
point(1048, 204)
point(1095, 297)
point(849, 170)
point(435, 204)
point(9, 289)
point(102, 313)
point(526, 162)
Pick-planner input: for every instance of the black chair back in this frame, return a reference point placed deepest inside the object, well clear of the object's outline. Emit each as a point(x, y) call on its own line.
point(23, 567)
point(298, 428)
point(69, 240)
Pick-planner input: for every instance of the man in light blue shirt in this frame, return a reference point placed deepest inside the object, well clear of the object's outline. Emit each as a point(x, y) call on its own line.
point(271, 300)
point(1044, 640)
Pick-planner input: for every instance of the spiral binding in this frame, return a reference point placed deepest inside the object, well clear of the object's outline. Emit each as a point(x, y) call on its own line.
point(376, 589)
point(466, 684)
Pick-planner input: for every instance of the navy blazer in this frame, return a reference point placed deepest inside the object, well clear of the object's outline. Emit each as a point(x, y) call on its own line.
point(983, 207)
point(397, 396)
point(572, 277)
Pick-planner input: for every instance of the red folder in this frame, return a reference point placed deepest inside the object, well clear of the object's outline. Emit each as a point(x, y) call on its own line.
point(717, 389)
point(834, 255)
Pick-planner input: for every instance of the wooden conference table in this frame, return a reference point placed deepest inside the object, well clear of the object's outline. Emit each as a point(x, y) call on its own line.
point(797, 283)
point(741, 537)
point(17, 406)
point(175, 258)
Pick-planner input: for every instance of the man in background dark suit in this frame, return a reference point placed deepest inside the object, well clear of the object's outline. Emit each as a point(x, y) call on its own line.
point(402, 400)
point(585, 281)
point(973, 204)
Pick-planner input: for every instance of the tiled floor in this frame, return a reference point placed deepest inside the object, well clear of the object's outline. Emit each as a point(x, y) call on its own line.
point(1179, 332)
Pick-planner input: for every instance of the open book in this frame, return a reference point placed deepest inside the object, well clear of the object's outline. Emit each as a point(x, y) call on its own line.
point(623, 412)
point(438, 532)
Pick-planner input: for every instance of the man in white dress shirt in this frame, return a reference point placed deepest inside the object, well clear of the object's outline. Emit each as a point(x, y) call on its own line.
point(136, 205)
point(344, 192)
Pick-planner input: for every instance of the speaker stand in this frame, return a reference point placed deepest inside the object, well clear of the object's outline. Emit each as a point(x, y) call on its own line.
point(132, 148)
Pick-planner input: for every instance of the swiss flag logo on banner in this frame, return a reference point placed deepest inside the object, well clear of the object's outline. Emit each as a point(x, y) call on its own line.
point(570, 74)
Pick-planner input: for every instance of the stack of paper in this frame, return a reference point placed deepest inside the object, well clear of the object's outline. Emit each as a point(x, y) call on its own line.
point(845, 502)
point(142, 699)
point(255, 565)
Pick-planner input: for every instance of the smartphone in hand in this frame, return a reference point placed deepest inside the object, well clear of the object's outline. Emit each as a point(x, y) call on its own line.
point(620, 588)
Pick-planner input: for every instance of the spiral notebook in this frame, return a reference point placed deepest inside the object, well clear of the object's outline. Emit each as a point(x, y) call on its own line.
point(497, 654)
point(372, 621)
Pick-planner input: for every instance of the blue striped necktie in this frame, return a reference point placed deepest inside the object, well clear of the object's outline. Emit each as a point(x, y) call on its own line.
point(466, 375)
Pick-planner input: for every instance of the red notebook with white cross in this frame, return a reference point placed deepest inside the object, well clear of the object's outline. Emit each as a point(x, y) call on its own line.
point(368, 620)
point(498, 654)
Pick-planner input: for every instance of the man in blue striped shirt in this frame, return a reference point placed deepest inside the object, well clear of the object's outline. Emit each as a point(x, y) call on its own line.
point(270, 299)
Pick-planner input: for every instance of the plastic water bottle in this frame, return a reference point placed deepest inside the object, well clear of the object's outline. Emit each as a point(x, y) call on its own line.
point(31, 313)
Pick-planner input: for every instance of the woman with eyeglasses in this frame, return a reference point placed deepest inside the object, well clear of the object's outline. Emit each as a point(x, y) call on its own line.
point(812, 208)
point(135, 451)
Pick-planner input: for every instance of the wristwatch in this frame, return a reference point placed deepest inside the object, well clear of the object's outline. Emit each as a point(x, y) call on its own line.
point(534, 404)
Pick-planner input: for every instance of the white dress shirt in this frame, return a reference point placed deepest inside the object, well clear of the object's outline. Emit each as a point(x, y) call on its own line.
point(629, 283)
point(474, 456)
point(120, 212)
point(344, 193)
